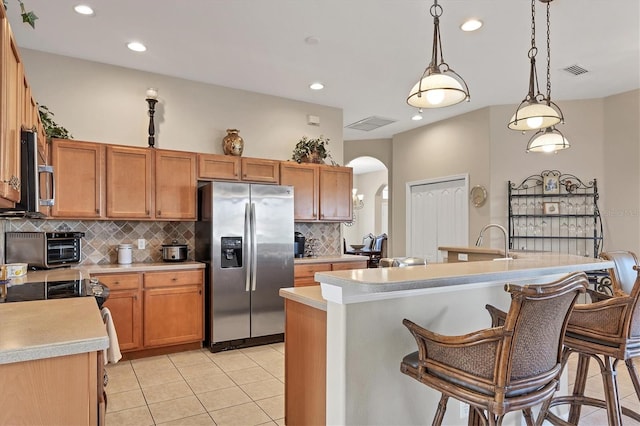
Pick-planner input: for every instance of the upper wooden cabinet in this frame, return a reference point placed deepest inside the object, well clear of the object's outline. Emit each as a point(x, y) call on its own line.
point(102, 181)
point(321, 193)
point(129, 182)
point(335, 193)
point(11, 108)
point(175, 185)
point(305, 181)
point(79, 169)
point(233, 168)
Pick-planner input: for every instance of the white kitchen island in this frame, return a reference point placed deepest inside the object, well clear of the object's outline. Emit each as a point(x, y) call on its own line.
point(366, 340)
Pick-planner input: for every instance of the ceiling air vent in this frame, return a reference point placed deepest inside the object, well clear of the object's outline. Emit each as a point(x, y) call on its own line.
point(370, 123)
point(575, 70)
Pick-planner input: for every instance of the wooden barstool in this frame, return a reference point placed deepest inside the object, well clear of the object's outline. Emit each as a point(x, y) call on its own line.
point(511, 367)
point(609, 332)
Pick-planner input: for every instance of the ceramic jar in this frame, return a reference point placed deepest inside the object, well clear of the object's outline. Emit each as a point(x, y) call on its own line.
point(232, 144)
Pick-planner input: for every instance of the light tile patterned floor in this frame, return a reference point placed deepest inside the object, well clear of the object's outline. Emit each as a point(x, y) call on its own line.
point(592, 416)
point(239, 387)
point(246, 387)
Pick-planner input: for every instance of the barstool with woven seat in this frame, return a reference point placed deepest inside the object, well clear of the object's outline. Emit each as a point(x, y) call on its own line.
point(512, 367)
point(607, 331)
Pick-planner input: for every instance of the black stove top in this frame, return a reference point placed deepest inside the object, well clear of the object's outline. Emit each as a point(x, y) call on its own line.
point(55, 290)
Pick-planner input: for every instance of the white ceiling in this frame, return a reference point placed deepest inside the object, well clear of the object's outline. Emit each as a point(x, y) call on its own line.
point(369, 54)
point(362, 165)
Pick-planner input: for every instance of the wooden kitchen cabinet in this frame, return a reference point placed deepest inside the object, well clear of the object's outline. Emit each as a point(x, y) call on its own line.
point(125, 304)
point(79, 170)
point(156, 309)
point(11, 100)
point(175, 185)
point(305, 181)
point(260, 170)
point(321, 193)
point(62, 390)
point(173, 307)
point(129, 182)
point(233, 168)
point(335, 193)
point(303, 273)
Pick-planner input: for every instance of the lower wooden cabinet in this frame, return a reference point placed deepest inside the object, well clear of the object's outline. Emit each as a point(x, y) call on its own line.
point(62, 390)
point(173, 308)
point(156, 309)
point(125, 304)
point(303, 274)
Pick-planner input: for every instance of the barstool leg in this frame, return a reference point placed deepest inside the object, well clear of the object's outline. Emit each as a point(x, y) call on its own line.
point(633, 373)
point(442, 407)
point(582, 371)
point(610, 381)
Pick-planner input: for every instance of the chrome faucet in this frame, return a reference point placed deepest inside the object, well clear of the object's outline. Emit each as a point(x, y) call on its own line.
point(504, 232)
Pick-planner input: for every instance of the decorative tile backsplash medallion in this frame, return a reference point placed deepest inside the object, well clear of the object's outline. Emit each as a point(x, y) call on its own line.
point(100, 244)
point(326, 236)
point(101, 240)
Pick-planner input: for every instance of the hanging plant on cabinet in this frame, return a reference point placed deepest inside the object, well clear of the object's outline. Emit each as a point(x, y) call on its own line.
point(28, 17)
point(51, 128)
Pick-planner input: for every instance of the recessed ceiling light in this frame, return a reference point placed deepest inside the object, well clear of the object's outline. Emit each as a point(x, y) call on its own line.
point(136, 46)
point(471, 25)
point(316, 86)
point(83, 9)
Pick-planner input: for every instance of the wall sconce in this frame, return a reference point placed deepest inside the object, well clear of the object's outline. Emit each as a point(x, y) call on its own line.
point(152, 99)
point(358, 199)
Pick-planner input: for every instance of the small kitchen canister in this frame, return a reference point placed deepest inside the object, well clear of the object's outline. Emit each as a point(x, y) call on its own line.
point(124, 254)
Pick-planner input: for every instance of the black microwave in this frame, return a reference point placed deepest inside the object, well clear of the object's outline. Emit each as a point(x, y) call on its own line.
point(43, 249)
point(37, 183)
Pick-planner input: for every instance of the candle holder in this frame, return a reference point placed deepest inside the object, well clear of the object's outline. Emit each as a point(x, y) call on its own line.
point(152, 95)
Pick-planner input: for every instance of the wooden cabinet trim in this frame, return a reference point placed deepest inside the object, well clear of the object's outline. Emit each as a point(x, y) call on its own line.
point(173, 278)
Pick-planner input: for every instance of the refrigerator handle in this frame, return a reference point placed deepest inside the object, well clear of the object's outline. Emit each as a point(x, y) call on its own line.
point(247, 246)
point(254, 249)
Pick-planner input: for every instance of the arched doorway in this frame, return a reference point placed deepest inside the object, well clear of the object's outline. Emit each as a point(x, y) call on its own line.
point(370, 185)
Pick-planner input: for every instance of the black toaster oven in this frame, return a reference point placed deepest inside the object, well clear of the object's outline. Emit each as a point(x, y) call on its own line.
point(43, 250)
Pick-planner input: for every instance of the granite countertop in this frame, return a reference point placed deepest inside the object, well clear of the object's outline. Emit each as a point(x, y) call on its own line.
point(143, 267)
point(387, 280)
point(85, 271)
point(329, 259)
point(310, 296)
point(50, 328)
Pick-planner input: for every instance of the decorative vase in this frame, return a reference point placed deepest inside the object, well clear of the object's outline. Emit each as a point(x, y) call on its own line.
point(232, 144)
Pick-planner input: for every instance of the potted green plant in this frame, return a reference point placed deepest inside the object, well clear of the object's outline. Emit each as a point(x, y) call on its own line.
point(51, 128)
point(311, 150)
point(28, 17)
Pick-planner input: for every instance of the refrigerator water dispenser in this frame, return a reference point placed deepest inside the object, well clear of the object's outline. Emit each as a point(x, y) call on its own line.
point(231, 256)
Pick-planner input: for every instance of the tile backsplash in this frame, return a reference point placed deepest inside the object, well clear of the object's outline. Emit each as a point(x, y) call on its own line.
point(99, 246)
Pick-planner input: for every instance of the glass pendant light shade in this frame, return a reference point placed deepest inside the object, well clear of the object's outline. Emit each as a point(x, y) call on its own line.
point(549, 140)
point(438, 89)
point(534, 115)
point(439, 86)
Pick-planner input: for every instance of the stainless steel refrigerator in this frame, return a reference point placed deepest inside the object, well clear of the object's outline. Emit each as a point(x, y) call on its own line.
point(244, 234)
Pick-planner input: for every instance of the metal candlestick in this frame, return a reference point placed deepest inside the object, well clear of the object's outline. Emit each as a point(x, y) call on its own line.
point(152, 130)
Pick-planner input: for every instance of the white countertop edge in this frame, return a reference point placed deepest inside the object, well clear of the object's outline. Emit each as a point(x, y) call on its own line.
point(54, 350)
point(291, 294)
point(329, 259)
point(142, 267)
point(348, 291)
point(334, 293)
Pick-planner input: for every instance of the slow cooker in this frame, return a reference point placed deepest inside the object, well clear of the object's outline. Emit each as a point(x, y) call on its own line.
point(174, 252)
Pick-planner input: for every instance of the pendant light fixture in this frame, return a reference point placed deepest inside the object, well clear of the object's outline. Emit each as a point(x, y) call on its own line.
point(439, 86)
point(537, 111)
point(550, 139)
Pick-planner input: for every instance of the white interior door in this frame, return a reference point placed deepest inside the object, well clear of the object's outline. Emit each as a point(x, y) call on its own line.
point(437, 215)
